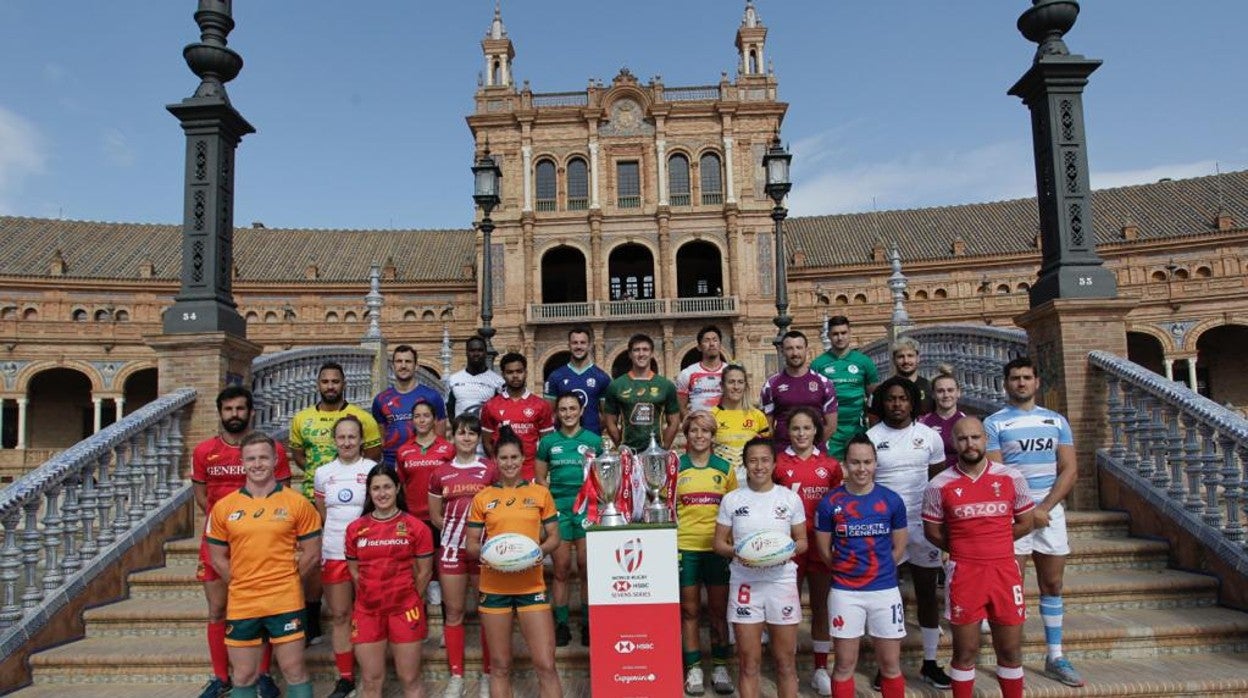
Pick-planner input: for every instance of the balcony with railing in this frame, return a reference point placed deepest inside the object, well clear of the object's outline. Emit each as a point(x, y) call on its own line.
point(633, 309)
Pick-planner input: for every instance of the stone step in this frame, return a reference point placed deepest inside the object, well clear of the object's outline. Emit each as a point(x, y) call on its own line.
point(1123, 634)
point(176, 614)
point(1184, 676)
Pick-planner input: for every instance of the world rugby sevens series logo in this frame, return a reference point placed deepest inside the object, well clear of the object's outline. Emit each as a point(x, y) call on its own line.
point(629, 555)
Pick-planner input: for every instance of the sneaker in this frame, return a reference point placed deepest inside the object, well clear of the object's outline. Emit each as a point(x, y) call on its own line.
point(563, 635)
point(433, 594)
point(932, 673)
point(345, 688)
point(1061, 670)
point(821, 682)
point(266, 687)
point(454, 687)
point(878, 682)
point(693, 681)
point(216, 688)
point(721, 681)
point(483, 686)
point(585, 635)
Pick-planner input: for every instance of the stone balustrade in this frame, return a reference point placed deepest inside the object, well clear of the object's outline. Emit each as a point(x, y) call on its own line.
point(67, 520)
point(1190, 453)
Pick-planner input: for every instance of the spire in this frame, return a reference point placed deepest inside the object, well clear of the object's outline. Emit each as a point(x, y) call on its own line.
point(751, 18)
point(751, 37)
point(497, 30)
point(498, 51)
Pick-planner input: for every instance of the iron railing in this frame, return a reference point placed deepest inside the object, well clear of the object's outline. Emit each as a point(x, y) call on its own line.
point(1188, 453)
point(977, 354)
point(627, 309)
point(68, 520)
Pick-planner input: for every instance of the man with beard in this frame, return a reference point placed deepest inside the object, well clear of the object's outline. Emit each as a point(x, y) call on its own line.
point(976, 510)
point(698, 387)
point(476, 383)
point(216, 471)
point(528, 415)
point(796, 385)
point(392, 408)
point(906, 365)
point(641, 403)
point(581, 377)
point(312, 445)
point(854, 376)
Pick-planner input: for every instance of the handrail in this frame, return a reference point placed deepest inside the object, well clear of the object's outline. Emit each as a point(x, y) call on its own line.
point(97, 498)
point(1191, 452)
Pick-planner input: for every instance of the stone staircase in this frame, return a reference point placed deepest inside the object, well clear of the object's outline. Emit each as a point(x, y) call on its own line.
point(1133, 628)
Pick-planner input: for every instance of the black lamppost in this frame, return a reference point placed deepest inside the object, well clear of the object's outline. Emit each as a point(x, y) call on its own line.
point(776, 162)
point(486, 176)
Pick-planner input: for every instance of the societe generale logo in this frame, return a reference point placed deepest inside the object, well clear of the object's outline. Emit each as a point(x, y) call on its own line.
point(629, 555)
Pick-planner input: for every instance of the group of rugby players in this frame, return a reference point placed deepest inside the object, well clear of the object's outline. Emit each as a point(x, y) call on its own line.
point(868, 477)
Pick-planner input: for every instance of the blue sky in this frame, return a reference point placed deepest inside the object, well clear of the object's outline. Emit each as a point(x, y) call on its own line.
point(360, 113)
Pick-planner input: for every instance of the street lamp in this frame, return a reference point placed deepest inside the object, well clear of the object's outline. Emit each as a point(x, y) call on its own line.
point(485, 191)
point(776, 163)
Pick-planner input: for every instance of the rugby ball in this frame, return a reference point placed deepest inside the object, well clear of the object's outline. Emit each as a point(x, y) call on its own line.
point(511, 552)
point(766, 548)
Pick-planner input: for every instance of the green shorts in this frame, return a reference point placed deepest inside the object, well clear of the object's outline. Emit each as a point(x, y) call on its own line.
point(571, 525)
point(278, 628)
point(702, 567)
point(506, 603)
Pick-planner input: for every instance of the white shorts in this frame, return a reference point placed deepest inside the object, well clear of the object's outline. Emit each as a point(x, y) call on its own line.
point(880, 614)
point(1050, 540)
point(775, 602)
point(919, 552)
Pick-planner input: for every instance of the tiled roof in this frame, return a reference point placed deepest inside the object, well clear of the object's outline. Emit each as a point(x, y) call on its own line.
point(118, 250)
point(1164, 209)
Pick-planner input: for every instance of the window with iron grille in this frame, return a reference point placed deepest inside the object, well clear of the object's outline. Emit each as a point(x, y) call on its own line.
point(678, 180)
point(712, 179)
point(578, 185)
point(547, 190)
point(628, 184)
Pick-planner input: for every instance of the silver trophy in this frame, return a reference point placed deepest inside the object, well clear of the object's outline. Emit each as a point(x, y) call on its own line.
point(608, 469)
point(654, 468)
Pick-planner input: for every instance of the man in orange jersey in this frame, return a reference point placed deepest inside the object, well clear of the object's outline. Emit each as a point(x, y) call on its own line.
point(254, 535)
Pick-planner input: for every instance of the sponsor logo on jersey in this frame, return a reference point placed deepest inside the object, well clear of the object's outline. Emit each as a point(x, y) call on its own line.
point(743, 611)
point(258, 513)
point(345, 495)
point(741, 511)
point(493, 503)
point(237, 515)
point(975, 510)
point(882, 446)
point(1036, 444)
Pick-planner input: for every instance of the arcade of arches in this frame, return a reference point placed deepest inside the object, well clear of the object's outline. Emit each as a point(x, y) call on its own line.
point(1214, 369)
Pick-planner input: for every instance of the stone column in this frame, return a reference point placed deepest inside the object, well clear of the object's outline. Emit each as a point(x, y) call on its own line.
point(593, 173)
point(730, 193)
point(526, 153)
point(1191, 373)
point(119, 408)
point(1167, 366)
point(1060, 333)
point(97, 413)
point(661, 148)
point(22, 403)
point(670, 363)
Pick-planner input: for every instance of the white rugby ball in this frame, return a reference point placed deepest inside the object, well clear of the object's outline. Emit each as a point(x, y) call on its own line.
point(766, 548)
point(511, 552)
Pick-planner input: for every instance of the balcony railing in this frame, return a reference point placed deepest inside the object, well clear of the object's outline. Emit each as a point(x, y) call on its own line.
point(718, 306)
point(629, 202)
point(691, 94)
point(560, 99)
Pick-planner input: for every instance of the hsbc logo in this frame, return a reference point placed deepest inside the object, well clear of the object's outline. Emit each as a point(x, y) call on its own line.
point(621, 585)
point(625, 647)
point(629, 555)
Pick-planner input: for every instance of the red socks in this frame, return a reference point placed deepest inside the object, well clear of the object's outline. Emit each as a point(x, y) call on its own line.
point(345, 661)
point(963, 681)
point(1010, 678)
point(454, 635)
point(216, 651)
point(894, 687)
point(843, 689)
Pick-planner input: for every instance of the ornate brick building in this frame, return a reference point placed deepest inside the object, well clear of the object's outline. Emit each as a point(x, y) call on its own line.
point(627, 206)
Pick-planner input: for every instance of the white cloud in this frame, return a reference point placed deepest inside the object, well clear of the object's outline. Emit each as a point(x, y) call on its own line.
point(926, 178)
point(1148, 175)
point(117, 148)
point(21, 155)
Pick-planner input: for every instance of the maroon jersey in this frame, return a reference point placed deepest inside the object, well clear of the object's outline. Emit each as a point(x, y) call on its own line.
point(385, 553)
point(456, 484)
point(810, 478)
point(783, 393)
point(978, 514)
point(219, 467)
point(528, 415)
point(944, 427)
point(415, 464)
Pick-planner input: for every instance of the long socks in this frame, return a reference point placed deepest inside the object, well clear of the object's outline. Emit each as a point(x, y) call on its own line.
point(843, 689)
point(562, 613)
point(1051, 613)
point(454, 635)
point(217, 652)
point(1010, 678)
point(485, 653)
point(720, 654)
point(345, 661)
point(963, 681)
point(931, 639)
point(820, 649)
point(299, 690)
point(894, 687)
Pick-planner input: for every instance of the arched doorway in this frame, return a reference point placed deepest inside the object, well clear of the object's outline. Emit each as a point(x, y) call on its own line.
point(140, 389)
point(690, 358)
point(699, 270)
point(631, 270)
point(1220, 372)
point(563, 275)
point(622, 363)
point(1146, 350)
point(559, 358)
point(60, 413)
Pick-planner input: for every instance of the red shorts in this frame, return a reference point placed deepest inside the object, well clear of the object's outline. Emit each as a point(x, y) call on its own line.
point(397, 628)
point(455, 561)
point(205, 572)
point(335, 572)
point(810, 562)
point(979, 590)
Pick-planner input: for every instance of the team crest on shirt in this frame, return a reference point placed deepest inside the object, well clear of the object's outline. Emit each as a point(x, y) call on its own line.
point(530, 502)
point(400, 529)
point(345, 495)
point(361, 478)
point(813, 386)
point(529, 412)
point(781, 512)
point(654, 391)
point(996, 489)
point(821, 473)
point(591, 382)
point(583, 449)
point(237, 515)
point(280, 514)
point(493, 503)
point(918, 442)
point(851, 368)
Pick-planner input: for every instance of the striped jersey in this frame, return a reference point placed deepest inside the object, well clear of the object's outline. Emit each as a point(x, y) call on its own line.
point(1028, 441)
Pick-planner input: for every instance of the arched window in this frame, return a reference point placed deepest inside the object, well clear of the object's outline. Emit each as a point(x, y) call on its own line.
point(350, 316)
point(1159, 275)
point(80, 315)
point(563, 275)
point(1181, 274)
point(496, 73)
point(1024, 287)
point(331, 316)
point(101, 315)
point(122, 316)
point(920, 295)
point(252, 316)
point(630, 268)
point(712, 179)
point(860, 298)
point(1003, 288)
point(1203, 272)
point(940, 294)
point(9, 313)
point(699, 271)
point(409, 316)
point(753, 62)
point(578, 185)
point(678, 180)
point(428, 315)
point(270, 317)
point(547, 190)
point(842, 299)
point(30, 314)
point(448, 314)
